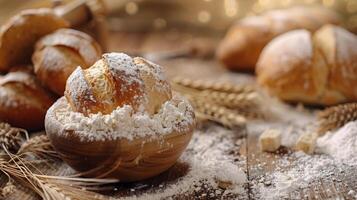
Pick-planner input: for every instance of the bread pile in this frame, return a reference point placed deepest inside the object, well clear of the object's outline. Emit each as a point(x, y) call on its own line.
point(241, 47)
point(119, 119)
point(27, 92)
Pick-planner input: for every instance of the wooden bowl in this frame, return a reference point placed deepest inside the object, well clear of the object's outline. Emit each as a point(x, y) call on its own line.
point(126, 160)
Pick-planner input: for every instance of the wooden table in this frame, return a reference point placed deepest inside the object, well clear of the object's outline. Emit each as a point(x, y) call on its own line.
point(246, 150)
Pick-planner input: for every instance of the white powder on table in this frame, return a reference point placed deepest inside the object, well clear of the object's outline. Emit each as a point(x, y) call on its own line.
point(209, 161)
point(123, 122)
point(299, 174)
point(341, 145)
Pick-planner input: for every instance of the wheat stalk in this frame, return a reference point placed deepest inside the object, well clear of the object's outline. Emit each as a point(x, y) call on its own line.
point(219, 114)
point(51, 187)
point(11, 137)
point(214, 86)
point(231, 100)
point(240, 99)
point(336, 116)
point(39, 146)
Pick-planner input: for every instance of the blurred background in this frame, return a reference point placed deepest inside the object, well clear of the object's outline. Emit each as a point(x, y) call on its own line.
point(172, 27)
point(212, 14)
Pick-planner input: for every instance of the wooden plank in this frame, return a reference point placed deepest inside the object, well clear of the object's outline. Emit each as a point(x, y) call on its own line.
point(261, 165)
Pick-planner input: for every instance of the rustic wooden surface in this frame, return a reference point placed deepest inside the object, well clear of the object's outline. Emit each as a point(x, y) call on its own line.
point(257, 163)
point(156, 45)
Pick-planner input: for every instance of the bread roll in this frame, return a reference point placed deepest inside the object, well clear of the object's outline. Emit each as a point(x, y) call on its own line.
point(19, 35)
point(117, 80)
point(242, 45)
point(315, 69)
point(58, 54)
point(23, 102)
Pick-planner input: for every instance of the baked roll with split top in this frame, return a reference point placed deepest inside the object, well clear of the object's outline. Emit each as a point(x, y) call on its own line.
point(119, 119)
point(23, 101)
point(20, 33)
point(245, 40)
point(319, 68)
point(58, 54)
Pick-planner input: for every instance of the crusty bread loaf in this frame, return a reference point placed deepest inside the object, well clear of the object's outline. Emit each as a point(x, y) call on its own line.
point(315, 69)
point(138, 130)
point(23, 102)
point(19, 35)
point(242, 45)
point(58, 54)
point(117, 80)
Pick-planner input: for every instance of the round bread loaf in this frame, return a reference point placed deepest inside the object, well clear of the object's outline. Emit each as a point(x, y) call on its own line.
point(117, 80)
point(19, 35)
point(23, 102)
point(58, 54)
point(315, 69)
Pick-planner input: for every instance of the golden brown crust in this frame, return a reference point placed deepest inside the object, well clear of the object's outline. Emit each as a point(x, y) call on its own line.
point(23, 102)
point(19, 34)
point(318, 69)
point(117, 80)
point(241, 47)
point(158, 91)
point(339, 48)
point(58, 54)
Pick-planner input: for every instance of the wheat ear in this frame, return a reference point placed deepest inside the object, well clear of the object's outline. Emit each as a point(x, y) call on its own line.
point(231, 100)
point(39, 146)
point(210, 85)
point(219, 114)
point(8, 188)
point(336, 116)
point(51, 187)
point(11, 137)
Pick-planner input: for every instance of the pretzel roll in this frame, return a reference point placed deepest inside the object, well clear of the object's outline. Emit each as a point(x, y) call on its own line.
point(19, 35)
point(58, 54)
point(23, 102)
point(315, 69)
point(120, 120)
point(241, 47)
point(117, 80)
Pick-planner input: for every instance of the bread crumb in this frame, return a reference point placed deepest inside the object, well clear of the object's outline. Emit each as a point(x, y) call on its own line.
point(270, 140)
point(306, 142)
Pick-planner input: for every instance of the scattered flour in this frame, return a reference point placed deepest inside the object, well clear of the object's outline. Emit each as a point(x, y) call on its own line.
point(209, 163)
point(342, 144)
point(302, 175)
point(174, 115)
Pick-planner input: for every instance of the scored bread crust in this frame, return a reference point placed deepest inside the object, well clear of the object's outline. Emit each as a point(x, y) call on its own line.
point(315, 69)
point(58, 54)
point(20, 33)
point(117, 80)
point(23, 101)
point(241, 47)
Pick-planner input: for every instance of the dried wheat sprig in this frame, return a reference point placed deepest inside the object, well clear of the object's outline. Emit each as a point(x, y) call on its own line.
point(51, 187)
point(232, 100)
point(336, 116)
point(11, 137)
point(8, 188)
point(39, 146)
point(219, 114)
point(210, 85)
